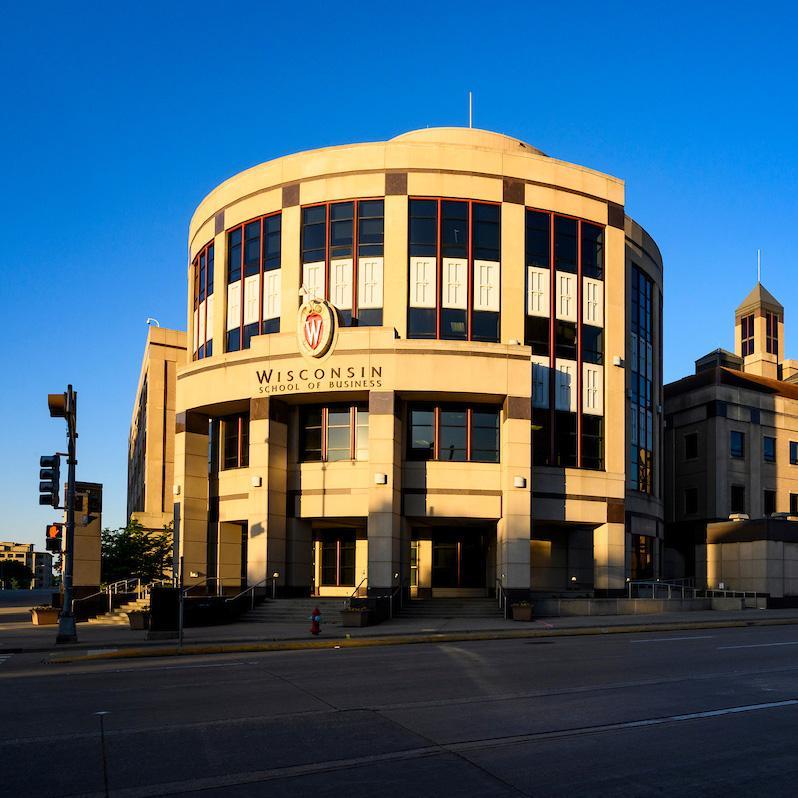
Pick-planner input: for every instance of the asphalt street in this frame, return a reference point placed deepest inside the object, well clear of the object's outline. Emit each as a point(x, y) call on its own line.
point(705, 713)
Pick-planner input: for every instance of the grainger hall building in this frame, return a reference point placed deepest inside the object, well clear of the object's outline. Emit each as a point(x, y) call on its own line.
point(433, 361)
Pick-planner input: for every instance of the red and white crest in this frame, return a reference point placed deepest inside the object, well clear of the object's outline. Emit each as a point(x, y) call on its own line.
point(314, 327)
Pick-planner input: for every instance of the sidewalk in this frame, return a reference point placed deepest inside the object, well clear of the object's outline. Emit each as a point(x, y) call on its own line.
point(24, 637)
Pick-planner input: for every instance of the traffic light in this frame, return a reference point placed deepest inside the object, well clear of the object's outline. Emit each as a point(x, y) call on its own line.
point(50, 476)
point(53, 538)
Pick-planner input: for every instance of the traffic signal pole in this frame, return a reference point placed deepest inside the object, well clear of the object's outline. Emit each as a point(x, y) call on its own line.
point(67, 630)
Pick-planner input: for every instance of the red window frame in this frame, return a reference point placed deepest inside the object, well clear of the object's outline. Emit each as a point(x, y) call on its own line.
point(355, 243)
point(241, 279)
point(436, 411)
point(195, 264)
point(325, 412)
point(469, 259)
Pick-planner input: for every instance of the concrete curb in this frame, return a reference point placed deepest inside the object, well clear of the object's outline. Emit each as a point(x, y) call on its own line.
point(405, 639)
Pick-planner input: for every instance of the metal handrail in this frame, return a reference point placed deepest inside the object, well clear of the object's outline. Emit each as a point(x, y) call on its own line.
point(208, 580)
point(356, 591)
point(684, 590)
point(502, 599)
point(113, 589)
point(251, 589)
point(398, 589)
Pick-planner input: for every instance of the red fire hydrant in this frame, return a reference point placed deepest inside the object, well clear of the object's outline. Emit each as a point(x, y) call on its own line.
point(315, 622)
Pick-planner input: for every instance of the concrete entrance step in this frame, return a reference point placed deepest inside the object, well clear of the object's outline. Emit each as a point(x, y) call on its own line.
point(296, 611)
point(118, 617)
point(451, 608)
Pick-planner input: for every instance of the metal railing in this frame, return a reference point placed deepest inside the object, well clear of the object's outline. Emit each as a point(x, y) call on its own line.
point(397, 591)
point(251, 590)
point(502, 599)
point(681, 588)
point(122, 587)
point(356, 591)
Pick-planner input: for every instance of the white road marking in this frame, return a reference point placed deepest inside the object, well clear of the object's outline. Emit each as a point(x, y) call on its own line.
point(669, 639)
point(759, 645)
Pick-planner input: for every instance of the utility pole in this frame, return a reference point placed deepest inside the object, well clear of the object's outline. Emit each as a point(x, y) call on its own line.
point(65, 405)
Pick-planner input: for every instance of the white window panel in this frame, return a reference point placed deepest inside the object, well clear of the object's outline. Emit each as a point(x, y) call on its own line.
point(592, 389)
point(369, 283)
point(541, 367)
point(566, 296)
point(201, 333)
point(341, 283)
point(565, 385)
point(537, 291)
point(313, 278)
point(593, 302)
point(272, 285)
point(196, 329)
point(454, 283)
point(423, 283)
point(209, 315)
point(234, 305)
point(487, 285)
point(251, 299)
point(649, 360)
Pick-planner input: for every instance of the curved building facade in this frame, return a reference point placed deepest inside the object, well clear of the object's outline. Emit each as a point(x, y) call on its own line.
point(432, 362)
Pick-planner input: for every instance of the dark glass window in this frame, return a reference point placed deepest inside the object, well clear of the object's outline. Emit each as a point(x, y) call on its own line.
point(793, 452)
point(565, 248)
point(691, 446)
point(541, 437)
point(565, 439)
point(537, 239)
point(422, 434)
point(747, 335)
point(769, 449)
point(341, 229)
point(794, 504)
point(234, 255)
point(536, 334)
point(452, 435)
point(252, 248)
point(421, 323)
point(565, 338)
point(737, 498)
point(463, 433)
point(370, 227)
point(332, 433)
point(314, 233)
point(642, 565)
point(737, 444)
point(592, 251)
point(423, 228)
point(690, 501)
point(272, 242)
point(593, 442)
point(454, 229)
point(310, 428)
point(769, 502)
point(755, 415)
point(772, 331)
point(338, 559)
point(592, 344)
point(487, 234)
point(203, 288)
point(235, 441)
point(485, 436)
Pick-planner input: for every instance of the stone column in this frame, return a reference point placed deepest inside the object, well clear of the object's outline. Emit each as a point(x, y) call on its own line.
point(609, 558)
point(514, 527)
point(268, 433)
point(385, 557)
point(191, 477)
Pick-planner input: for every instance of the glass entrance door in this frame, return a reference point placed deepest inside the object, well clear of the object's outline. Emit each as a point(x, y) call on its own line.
point(458, 559)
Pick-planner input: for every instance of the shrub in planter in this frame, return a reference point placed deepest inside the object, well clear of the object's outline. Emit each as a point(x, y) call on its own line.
point(44, 616)
point(355, 616)
point(522, 611)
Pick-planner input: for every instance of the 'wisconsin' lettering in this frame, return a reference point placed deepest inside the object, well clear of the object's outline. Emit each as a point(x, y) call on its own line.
point(270, 377)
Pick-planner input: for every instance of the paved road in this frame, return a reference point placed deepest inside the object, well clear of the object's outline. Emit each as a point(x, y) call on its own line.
point(712, 712)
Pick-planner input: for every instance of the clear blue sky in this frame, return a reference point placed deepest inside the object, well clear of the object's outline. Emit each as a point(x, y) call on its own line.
point(119, 118)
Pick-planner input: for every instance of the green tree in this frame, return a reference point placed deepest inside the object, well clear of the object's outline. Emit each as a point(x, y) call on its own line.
point(133, 551)
point(15, 574)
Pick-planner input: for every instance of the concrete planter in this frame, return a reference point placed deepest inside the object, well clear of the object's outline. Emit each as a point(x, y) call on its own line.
point(44, 616)
point(354, 618)
point(139, 619)
point(522, 612)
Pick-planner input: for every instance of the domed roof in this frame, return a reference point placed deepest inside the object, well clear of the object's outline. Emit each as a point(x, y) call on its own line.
point(471, 137)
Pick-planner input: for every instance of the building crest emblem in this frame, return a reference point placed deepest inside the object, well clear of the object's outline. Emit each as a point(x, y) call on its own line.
point(315, 327)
